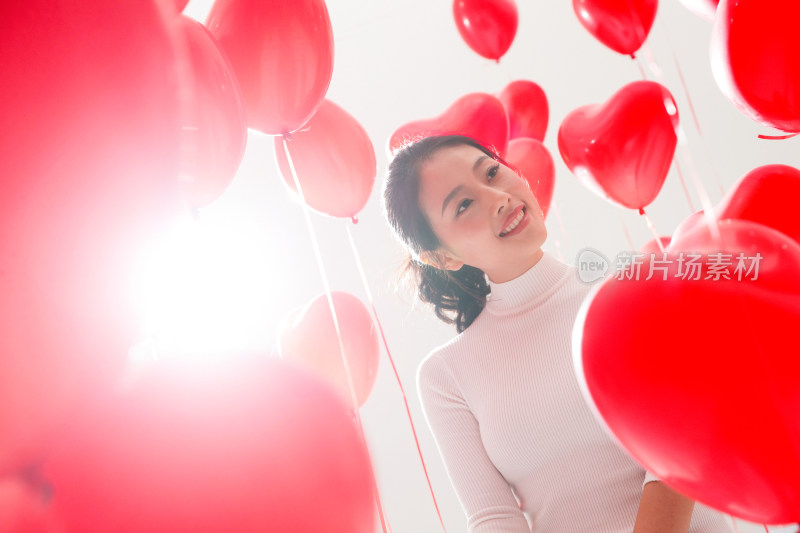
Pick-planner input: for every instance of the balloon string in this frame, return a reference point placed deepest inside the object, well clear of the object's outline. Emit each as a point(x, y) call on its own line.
point(735, 524)
point(394, 368)
point(653, 229)
point(326, 284)
point(683, 184)
point(631, 247)
point(554, 209)
point(686, 92)
point(778, 137)
point(558, 251)
point(705, 201)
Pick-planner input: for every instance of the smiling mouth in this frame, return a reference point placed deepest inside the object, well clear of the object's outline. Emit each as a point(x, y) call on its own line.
point(514, 223)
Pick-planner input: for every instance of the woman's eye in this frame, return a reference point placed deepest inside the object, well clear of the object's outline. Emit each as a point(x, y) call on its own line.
point(493, 170)
point(462, 206)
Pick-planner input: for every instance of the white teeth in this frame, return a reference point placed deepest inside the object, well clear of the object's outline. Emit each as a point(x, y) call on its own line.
point(514, 223)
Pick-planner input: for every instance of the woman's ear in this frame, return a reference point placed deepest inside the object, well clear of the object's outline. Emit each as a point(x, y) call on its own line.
point(440, 259)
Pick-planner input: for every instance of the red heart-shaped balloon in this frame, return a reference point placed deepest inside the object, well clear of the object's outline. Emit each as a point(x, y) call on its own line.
point(622, 25)
point(477, 115)
point(535, 163)
point(697, 379)
point(755, 62)
point(487, 26)
point(528, 112)
point(308, 336)
point(622, 150)
point(769, 195)
point(334, 161)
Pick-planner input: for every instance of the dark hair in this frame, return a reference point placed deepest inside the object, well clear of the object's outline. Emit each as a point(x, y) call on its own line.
point(459, 296)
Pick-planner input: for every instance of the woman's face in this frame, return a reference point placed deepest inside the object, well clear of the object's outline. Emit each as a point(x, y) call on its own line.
point(483, 213)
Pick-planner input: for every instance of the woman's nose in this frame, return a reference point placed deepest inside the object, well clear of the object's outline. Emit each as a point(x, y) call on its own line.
point(500, 201)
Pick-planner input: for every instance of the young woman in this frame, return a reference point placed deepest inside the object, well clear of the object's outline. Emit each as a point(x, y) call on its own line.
point(521, 447)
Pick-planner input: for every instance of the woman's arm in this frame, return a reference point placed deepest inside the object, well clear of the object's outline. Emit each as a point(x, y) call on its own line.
point(662, 510)
point(485, 495)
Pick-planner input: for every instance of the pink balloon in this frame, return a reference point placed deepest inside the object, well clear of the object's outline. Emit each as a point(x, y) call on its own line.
point(702, 8)
point(526, 105)
point(754, 59)
point(487, 26)
point(535, 163)
point(622, 25)
point(282, 53)
point(477, 115)
point(88, 180)
point(309, 337)
point(677, 405)
point(334, 160)
point(24, 507)
point(622, 150)
point(215, 123)
point(236, 443)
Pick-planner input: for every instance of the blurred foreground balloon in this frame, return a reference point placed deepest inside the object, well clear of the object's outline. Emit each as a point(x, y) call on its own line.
point(487, 26)
point(477, 115)
point(715, 408)
point(528, 112)
point(622, 25)
point(214, 122)
point(622, 150)
point(754, 59)
point(702, 8)
point(534, 161)
point(282, 53)
point(89, 154)
point(24, 508)
point(334, 160)
point(309, 337)
point(206, 445)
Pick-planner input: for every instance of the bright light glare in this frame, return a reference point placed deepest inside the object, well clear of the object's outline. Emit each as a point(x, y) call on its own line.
point(205, 291)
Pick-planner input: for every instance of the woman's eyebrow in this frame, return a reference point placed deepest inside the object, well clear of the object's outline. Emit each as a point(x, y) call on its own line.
point(478, 162)
point(450, 196)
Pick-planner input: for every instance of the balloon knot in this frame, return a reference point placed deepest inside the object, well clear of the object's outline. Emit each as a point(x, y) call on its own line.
point(287, 136)
point(633, 56)
point(641, 211)
point(354, 218)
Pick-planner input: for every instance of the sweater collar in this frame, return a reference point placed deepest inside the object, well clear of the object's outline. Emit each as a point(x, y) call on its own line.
point(534, 285)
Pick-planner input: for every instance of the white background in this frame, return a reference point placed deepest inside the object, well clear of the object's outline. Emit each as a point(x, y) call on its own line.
point(404, 60)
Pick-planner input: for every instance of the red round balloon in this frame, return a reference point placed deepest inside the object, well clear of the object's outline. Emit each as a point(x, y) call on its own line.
point(535, 163)
point(622, 150)
point(702, 8)
point(487, 26)
point(754, 59)
point(215, 124)
point(667, 364)
point(207, 445)
point(477, 115)
point(334, 160)
point(528, 112)
point(309, 337)
point(282, 53)
point(621, 25)
point(88, 178)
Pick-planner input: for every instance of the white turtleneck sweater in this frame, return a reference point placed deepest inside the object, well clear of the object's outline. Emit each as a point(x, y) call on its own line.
point(522, 449)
